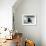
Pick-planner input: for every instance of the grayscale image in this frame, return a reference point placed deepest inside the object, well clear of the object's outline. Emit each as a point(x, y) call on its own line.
point(29, 19)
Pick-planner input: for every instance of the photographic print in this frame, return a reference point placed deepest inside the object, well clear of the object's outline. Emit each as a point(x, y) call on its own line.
point(29, 20)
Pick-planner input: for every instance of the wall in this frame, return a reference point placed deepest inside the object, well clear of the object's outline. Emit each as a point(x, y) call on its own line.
point(43, 22)
point(28, 7)
point(6, 13)
point(37, 32)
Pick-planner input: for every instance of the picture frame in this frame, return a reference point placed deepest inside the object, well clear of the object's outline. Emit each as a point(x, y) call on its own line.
point(28, 19)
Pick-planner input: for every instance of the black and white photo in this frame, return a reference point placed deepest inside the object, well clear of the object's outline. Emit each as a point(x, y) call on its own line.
point(29, 20)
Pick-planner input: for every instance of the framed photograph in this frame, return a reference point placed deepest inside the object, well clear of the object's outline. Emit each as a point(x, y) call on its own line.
point(29, 20)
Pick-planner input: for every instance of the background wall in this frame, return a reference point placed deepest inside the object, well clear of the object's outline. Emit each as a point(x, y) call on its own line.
point(36, 32)
point(6, 13)
point(43, 22)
